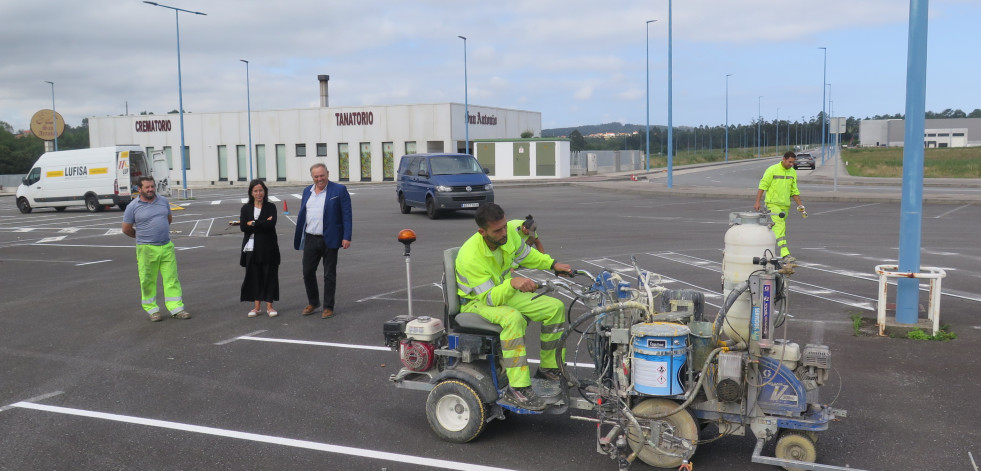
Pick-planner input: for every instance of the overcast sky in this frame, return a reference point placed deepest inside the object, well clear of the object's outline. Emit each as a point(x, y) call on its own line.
point(577, 62)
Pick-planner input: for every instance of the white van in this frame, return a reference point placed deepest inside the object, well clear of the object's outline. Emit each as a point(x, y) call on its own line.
point(95, 178)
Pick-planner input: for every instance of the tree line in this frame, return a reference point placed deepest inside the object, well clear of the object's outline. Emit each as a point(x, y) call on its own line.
point(19, 151)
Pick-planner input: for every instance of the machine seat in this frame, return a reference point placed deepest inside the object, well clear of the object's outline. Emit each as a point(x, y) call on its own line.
point(463, 322)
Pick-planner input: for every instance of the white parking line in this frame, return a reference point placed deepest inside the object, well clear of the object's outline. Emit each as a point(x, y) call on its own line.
point(255, 437)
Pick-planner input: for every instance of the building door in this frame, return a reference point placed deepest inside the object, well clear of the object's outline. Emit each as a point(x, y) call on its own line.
point(343, 162)
point(522, 159)
point(486, 157)
point(366, 161)
point(222, 164)
point(388, 161)
point(281, 162)
point(260, 162)
point(243, 163)
point(545, 159)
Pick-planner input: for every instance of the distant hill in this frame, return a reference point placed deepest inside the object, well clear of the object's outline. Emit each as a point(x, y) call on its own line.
point(597, 128)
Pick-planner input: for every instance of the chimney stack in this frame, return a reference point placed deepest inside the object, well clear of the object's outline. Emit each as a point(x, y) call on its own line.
point(324, 95)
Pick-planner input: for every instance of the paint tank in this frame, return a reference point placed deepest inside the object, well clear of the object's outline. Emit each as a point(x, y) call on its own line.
point(749, 236)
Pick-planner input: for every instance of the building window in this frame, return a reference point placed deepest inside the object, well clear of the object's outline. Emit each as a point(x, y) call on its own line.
point(343, 163)
point(222, 163)
point(301, 150)
point(243, 167)
point(944, 134)
point(281, 162)
point(321, 149)
point(956, 134)
point(410, 147)
point(366, 161)
point(169, 153)
point(932, 135)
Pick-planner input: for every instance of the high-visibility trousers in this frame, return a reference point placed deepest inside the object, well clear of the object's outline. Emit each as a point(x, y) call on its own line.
point(511, 317)
point(780, 227)
point(162, 259)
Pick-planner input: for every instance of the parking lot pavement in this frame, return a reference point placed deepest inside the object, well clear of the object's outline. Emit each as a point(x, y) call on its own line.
point(89, 383)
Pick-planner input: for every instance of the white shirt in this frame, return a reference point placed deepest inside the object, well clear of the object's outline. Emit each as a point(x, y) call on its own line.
point(315, 212)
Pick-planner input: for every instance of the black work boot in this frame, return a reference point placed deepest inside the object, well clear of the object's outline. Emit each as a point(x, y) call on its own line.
point(549, 374)
point(524, 398)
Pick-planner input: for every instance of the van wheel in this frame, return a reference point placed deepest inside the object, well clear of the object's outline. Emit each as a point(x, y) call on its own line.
point(402, 206)
point(92, 204)
point(122, 206)
point(60, 208)
point(431, 210)
point(24, 206)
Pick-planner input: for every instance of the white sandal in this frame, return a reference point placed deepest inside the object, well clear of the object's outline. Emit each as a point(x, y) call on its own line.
point(273, 313)
point(253, 313)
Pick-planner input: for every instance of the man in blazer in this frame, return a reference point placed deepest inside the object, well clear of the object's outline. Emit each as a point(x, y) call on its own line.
point(322, 227)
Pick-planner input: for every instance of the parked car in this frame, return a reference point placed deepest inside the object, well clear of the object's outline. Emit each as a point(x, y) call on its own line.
point(442, 182)
point(804, 160)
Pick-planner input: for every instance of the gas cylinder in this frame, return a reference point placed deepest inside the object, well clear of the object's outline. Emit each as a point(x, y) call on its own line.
point(749, 236)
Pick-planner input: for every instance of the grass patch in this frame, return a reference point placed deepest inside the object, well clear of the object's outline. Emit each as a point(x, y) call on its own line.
point(959, 162)
point(857, 323)
point(942, 335)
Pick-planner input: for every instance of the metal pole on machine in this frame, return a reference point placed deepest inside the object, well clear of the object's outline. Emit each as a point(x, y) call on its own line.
point(407, 237)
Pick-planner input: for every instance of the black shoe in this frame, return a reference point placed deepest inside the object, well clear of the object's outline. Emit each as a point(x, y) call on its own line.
point(524, 398)
point(549, 374)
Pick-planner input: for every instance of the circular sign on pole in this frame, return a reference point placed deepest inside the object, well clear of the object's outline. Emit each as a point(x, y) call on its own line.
point(43, 127)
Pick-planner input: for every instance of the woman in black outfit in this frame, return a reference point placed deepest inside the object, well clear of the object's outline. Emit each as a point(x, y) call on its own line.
point(260, 250)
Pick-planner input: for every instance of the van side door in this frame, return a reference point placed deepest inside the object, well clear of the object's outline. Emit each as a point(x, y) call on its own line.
point(32, 185)
point(415, 192)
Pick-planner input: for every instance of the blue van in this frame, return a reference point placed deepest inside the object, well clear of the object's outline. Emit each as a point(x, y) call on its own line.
point(442, 182)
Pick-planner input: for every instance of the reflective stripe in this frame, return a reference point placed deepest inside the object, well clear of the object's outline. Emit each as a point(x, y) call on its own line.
point(552, 345)
point(490, 302)
point(551, 329)
point(149, 301)
point(173, 299)
point(512, 343)
point(481, 288)
point(153, 311)
point(462, 279)
point(782, 239)
point(515, 362)
point(525, 250)
point(782, 177)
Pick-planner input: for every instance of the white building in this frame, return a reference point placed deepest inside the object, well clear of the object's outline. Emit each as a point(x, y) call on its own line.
point(953, 132)
point(356, 143)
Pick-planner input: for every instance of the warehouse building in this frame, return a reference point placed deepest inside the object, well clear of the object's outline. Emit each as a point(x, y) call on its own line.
point(938, 133)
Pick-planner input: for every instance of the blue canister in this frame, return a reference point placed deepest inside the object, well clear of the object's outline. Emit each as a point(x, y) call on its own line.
point(660, 350)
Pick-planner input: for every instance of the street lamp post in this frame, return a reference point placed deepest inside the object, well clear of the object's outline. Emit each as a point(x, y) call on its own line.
point(776, 141)
point(647, 67)
point(824, 102)
point(466, 99)
point(248, 101)
point(727, 116)
point(670, 105)
point(180, 88)
point(54, 115)
point(759, 118)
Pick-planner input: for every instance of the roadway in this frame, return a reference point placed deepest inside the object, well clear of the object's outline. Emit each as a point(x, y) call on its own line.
point(90, 383)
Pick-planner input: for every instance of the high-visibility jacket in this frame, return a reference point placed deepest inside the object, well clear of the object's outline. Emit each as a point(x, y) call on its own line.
point(779, 184)
point(514, 228)
point(484, 275)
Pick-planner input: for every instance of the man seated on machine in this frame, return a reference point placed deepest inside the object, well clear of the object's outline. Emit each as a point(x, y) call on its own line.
point(487, 288)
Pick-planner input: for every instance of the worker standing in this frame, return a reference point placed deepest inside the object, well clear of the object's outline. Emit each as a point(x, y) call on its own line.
point(780, 184)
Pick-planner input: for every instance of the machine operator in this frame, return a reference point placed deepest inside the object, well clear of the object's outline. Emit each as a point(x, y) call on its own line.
point(487, 288)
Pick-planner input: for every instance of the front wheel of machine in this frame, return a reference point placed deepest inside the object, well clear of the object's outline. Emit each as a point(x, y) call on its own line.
point(431, 210)
point(795, 446)
point(24, 206)
point(92, 204)
point(455, 412)
point(681, 427)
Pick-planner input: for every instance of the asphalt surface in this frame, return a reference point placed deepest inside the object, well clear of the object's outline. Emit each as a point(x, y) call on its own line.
point(88, 383)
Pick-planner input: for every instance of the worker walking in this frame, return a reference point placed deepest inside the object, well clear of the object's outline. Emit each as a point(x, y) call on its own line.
point(780, 184)
point(486, 284)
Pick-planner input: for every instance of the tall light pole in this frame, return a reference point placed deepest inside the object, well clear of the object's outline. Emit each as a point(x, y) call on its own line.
point(248, 101)
point(647, 66)
point(466, 102)
point(670, 104)
point(776, 140)
point(54, 114)
point(180, 88)
point(824, 102)
point(727, 116)
point(759, 118)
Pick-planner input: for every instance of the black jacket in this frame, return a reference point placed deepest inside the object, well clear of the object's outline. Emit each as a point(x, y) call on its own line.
point(266, 246)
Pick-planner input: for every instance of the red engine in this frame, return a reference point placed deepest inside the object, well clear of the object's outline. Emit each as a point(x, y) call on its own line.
point(416, 355)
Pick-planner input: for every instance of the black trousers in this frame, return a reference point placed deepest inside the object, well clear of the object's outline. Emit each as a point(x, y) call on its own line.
point(315, 251)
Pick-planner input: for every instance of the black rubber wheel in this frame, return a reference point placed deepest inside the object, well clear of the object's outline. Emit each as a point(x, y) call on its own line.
point(92, 204)
point(681, 425)
point(795, 446)
point(24, 206)
point(402, 206)
point(60, 208)
point(455, 412)
point(431, 210)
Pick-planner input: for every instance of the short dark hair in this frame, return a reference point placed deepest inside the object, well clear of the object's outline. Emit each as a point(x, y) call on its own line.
point(488, 213)
point(145, 179)
point(789, 154)
point(265, 196)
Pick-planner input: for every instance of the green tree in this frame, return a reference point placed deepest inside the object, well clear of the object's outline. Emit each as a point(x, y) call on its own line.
point(527, 135)
point(576, 141)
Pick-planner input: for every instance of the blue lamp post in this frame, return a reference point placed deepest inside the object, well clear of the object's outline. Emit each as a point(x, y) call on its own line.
point(727, 116)
point(180, 89)
point(824, 102)
point(670, 104)
point(466, 101)
point(54, 115)
point(647, 67)
point(248, 100)
point(759, 118)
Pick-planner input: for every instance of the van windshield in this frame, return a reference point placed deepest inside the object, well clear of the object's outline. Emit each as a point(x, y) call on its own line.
point(454, 165)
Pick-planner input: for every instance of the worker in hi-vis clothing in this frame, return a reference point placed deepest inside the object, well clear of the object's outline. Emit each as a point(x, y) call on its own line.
point(486, 285)
point(527, 231)
point(780, 184)
point(147, 219)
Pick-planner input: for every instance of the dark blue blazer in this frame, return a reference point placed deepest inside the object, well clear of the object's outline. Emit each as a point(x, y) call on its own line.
point(337, 216)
